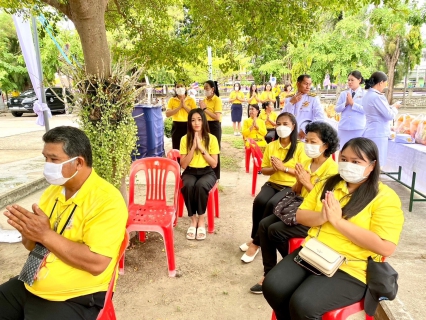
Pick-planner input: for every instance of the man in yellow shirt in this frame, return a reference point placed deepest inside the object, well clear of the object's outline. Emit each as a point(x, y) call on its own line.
point(73, 235)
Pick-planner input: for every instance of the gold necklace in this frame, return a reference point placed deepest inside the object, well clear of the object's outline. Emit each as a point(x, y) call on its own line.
point(58, 218)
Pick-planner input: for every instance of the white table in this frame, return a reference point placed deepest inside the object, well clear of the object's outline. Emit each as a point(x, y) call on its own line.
point(408, 162)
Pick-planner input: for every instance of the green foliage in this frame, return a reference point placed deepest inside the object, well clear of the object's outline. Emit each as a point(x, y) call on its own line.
point(105, 114)
point(168, 122)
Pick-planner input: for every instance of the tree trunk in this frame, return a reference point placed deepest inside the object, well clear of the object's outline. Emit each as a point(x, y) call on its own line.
point(391, 61)
point(89, 20)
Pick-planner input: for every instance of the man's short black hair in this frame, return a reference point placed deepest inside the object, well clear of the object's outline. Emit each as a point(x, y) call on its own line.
point(302, 77)
point(75, 142)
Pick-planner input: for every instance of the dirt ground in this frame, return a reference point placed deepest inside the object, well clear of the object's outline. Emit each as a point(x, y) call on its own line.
point(212, 282)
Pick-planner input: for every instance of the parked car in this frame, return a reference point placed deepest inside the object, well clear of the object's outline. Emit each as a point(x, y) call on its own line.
point(25, 101)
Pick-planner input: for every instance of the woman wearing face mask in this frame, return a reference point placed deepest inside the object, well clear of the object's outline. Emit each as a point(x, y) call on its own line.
point(178, 108)
point(354, 214)
point(199, 151)
point(236, 97)
point(255, 128)
point(279, 162)
point(252, 98)
point(267, 95)
point(378, 113)
point(269, 117)
point(212, 106)
point(320, 143)
point(349, 104)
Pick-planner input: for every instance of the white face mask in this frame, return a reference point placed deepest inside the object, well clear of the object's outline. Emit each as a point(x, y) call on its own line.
point(351, 172)
point(208, 93)
point(53, 173)
point(283, 131)
point(180, 91)
point(313, 150)
point(236, 88)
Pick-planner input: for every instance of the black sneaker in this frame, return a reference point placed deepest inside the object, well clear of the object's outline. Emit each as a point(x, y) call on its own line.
point(256, 289)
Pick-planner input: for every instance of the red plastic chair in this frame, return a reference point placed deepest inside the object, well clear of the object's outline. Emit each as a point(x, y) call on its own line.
point(257, 163)
point(155, 214)
point(247, 159)
point(337, 314)
point(212, 202)
point(108, 312)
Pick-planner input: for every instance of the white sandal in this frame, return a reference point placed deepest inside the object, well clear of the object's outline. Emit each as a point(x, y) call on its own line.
point(191, 230)
point(202, 231)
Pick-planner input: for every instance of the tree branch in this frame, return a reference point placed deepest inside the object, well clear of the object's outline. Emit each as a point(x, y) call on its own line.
point(64, 8)
point(121, 13)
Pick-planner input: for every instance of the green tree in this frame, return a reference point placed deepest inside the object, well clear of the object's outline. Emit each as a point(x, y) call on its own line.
point(13, 73)
point(398, 27)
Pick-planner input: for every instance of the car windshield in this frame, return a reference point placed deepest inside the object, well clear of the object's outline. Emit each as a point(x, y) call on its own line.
point(28, 93)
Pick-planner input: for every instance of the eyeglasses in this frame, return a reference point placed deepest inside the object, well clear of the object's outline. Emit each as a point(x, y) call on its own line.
point(43, 270)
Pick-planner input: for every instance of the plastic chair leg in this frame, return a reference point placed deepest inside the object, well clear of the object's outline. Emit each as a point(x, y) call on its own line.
point(142, 236)
point(248, 156)
point(170, 250)
point(216, 202)
point(181, 203)
point(121, 264)
point(210, 212)
point(254, 181)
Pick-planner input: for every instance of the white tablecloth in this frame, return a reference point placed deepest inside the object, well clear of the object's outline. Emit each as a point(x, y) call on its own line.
point(412, 158)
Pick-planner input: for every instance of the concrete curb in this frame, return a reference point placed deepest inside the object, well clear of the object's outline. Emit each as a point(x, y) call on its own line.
point(22, 191)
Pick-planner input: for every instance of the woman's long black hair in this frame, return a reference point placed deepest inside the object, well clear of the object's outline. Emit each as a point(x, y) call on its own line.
point(251, 90)
point(205, 130)
point(375, 78)
point(368, 190)
point(213, 84)
point(293, 135)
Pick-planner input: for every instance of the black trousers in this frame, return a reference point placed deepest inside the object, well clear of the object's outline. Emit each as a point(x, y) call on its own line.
point(197, 182)
point(17, 303)
point(179, 129)
point(216, 130)
point(270, 135)
point(295, 293)
point(277, 102)
point(274, 235)
point(263, 206)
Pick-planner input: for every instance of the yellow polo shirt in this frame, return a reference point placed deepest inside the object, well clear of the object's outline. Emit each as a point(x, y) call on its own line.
point(238, 95)
point(251, 100)
point(257, 135)
point(267, 95)
point(272, 116)
point(275, 149)
point(99, 221)
point(276, 91)
point(383, 216)
point(198, 160)
point(181, 115)
point(327, 169)
point(214, 105)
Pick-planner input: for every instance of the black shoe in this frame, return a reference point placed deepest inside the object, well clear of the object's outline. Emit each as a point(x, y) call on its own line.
point(259, 172)
point(256, 289)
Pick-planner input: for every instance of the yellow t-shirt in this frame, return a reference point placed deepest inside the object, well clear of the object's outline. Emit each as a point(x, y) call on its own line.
point(198, 160)
point(383, 216)
point(267, 95)
point(99, 221)
point(214, 105)
point(252, 100)
point(327, 169)
point(272, 116)
point(181, 115)
point(257, 135)
point(238, 95)
point(276, 91)
point(275, 149)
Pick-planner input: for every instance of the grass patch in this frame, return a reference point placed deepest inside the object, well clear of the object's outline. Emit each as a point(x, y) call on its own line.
point(227, 130)
point(238, 144)
point(229, 163)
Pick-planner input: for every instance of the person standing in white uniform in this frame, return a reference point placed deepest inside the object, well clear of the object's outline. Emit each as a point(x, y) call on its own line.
point(378, 113)
point(349, 105)
point(304, 105)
